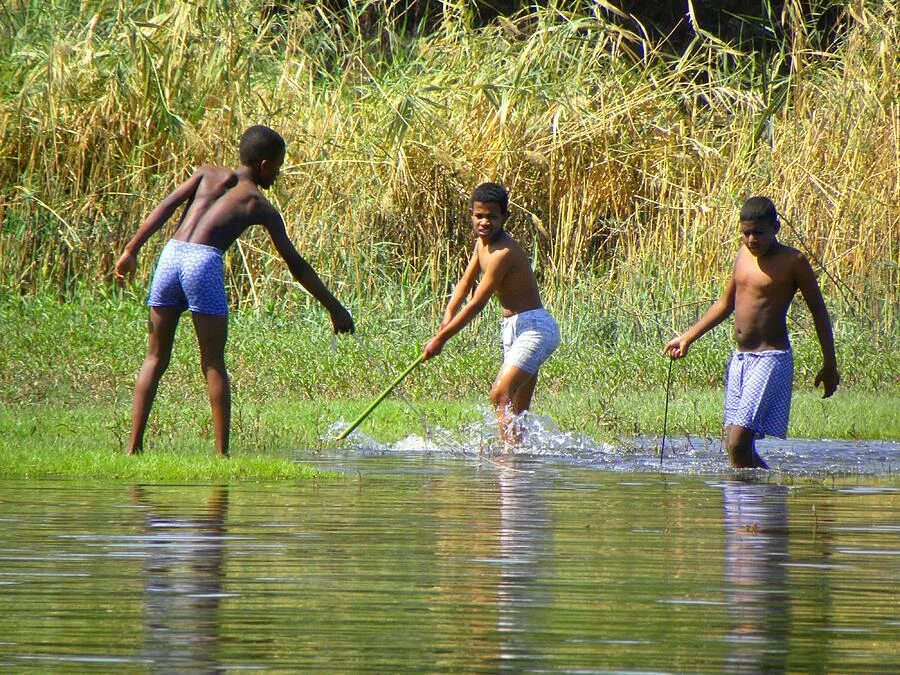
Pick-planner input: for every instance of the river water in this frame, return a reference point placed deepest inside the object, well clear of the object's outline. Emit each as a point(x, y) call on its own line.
point(428, 557)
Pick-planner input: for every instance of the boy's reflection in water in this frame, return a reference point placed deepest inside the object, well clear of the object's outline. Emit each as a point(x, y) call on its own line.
point(756, 553)
point(183, 560)
point(526, 528)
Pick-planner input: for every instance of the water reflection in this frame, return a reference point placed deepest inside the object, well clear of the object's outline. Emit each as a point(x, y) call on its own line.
point(182, 569)
point(756, 552)
point(424, 564)
point(525, 532)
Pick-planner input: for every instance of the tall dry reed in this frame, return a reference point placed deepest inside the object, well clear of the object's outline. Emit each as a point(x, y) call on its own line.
point(625, 163)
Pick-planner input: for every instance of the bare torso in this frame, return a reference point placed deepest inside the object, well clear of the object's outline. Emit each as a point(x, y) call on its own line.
point(764, 289)
point(516, 287)
point(222, 207)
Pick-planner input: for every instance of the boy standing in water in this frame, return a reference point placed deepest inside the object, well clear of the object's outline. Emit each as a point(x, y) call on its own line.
point(530, 334)
point(759, 377)
point(221, 204)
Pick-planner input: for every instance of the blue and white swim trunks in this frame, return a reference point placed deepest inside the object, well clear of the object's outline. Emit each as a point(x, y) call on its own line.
point(758, 391)
point(189, 276)
point(529, 338)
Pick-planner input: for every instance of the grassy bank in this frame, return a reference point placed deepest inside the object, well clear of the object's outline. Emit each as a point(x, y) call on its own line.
point(626, 163)
point(67, 371)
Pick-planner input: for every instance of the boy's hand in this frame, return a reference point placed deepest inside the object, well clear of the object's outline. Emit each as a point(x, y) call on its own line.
point(676, 348)
point(433, 347)
point(829, 378)
point(125, 266)
point(341, 321)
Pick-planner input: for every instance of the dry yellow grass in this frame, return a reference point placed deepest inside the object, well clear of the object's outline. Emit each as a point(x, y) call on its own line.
point(620, 159)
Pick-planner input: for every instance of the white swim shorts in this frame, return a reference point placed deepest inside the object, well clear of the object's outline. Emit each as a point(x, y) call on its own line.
point(529, 338)
point(758, 391)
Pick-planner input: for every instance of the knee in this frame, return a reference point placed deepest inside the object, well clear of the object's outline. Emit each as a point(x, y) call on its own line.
point(732, 444)
point(156, 365)
point(740, 446)
point(500, 397)
point(213, 366)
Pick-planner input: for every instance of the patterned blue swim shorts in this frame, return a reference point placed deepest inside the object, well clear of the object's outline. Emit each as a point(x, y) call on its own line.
point(529, 338)
point(189, 276)
point(758, 391)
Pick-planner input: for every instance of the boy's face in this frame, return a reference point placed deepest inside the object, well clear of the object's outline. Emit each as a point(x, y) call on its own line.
point(268, 171)
point(758, 235)
point(488, 219)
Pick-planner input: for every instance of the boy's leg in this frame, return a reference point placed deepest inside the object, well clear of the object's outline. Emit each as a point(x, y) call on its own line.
point(512, 388)
point(212, 333)
point(521, 399)
point(161, 325)
point(741, 444)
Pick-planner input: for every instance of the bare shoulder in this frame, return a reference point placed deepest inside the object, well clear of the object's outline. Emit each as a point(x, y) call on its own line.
point(221, 176)
point(512, 250)
point(261, 210)
point(795, 258)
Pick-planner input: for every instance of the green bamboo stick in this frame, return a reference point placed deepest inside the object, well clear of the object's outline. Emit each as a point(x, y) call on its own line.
point(380, 398)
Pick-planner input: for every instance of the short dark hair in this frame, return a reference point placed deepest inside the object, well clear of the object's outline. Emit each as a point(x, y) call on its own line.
point(759, 209)
point(258, 143)
point(491, 192)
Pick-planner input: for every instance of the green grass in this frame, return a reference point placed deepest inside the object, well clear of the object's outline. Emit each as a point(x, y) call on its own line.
point(67, 371)
point(162, 466)
point(280, 439)
point(626, 166)
point(86, 442)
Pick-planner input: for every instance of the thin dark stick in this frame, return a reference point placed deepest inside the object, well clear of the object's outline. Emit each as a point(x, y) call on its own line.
point(662, 448)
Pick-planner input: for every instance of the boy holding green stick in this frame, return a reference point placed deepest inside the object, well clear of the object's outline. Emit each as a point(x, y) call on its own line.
point(530, 335)
point(759, 377)
point(221, 204)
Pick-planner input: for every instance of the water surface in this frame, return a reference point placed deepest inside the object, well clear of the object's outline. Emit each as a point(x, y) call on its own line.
point(438, 559)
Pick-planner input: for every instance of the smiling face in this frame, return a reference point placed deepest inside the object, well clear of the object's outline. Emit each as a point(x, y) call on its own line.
point(758, 235)
point(487, 220)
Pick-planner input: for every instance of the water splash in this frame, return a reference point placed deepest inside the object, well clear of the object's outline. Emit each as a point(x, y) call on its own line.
point(542, 439)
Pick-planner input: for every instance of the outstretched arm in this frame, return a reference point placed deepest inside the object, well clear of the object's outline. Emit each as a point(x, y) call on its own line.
point(720, 310)
point(462, 289)
point(303, 272)
point(127, 263)
point(806, 281)
point(455, 321)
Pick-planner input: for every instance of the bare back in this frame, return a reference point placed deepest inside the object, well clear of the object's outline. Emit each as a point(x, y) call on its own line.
point(764, 287)
point(514, 284)
point(224, 204)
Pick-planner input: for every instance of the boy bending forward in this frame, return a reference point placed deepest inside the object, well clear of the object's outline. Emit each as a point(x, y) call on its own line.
point(221, 204)
point(759, 377)
point(530, 334)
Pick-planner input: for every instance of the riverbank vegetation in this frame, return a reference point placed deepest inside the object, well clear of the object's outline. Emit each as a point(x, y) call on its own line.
point(70, 368)
point(627, 161)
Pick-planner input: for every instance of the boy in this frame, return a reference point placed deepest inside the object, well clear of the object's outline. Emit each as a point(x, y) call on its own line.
point(759, 376)
point(221, 204)
point(530, 334)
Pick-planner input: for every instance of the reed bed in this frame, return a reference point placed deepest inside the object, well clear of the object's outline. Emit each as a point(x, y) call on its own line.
point(626, 163)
